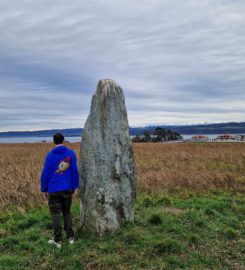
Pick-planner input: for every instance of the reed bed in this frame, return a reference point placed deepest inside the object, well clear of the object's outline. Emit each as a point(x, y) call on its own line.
point(161, 168)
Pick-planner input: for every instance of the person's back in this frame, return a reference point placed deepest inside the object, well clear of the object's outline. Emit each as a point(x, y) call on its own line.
point(59, 180)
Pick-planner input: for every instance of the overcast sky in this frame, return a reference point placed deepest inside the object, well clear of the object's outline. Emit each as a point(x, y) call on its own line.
point(178, 62)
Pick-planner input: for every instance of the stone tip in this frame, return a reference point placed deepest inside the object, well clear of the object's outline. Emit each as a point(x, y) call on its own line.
point(111, 82)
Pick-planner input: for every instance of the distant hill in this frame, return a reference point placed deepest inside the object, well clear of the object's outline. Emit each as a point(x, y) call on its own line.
point(216, 128)
point(69, 132)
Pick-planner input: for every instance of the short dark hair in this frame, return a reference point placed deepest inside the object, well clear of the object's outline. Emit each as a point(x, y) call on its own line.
point(58, 138)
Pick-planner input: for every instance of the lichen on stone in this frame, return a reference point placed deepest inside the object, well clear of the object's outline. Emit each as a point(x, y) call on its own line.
point(107, 170)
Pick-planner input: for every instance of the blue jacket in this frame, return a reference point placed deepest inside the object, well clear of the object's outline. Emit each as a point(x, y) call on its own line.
point(60, 170)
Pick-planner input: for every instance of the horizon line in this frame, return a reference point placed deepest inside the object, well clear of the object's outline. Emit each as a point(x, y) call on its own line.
point(146, 125)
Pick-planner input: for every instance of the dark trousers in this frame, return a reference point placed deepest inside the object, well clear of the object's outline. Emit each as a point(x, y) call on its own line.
point(61, 202)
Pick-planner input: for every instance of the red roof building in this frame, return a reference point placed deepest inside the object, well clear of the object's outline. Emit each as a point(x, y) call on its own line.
point(226, 137)
point(199, 138)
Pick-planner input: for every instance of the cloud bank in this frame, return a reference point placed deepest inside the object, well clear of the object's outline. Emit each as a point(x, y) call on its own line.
point(179, 62)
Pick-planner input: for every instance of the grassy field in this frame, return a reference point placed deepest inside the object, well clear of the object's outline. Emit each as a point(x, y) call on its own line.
point(189, 212)
point(162, 169)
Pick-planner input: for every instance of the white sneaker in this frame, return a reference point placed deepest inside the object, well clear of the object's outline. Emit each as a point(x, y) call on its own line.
point(57, 244)
point(71, 240)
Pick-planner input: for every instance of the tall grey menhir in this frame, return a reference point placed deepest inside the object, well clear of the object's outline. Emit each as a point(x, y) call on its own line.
point(107, 171)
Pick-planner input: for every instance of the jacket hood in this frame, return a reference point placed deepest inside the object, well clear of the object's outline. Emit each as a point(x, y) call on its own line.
point(60, 149)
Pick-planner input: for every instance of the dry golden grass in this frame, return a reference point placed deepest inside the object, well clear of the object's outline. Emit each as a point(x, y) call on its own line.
point(161, 167)
point(190, 166)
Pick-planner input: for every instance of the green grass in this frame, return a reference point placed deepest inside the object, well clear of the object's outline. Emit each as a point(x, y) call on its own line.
point(170, 232)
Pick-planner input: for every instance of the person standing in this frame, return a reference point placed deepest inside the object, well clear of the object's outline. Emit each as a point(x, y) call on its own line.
point(59, 180)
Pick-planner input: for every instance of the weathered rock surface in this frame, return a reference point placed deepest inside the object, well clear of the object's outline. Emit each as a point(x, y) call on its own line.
point(107, 171)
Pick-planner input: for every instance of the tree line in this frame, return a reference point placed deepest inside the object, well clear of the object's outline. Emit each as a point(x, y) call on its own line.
point(157, 135)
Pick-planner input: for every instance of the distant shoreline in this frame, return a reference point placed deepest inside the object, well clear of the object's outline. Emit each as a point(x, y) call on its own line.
point(200, 129)
point(74, 139)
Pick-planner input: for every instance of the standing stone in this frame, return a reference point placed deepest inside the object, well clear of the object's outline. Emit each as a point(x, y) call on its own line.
point(107, 170)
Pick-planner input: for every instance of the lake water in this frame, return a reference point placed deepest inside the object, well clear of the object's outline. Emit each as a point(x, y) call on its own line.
point(74, 139)
point(36, 139)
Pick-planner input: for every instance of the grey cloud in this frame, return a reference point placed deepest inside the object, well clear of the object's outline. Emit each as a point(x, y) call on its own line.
point(169, 56)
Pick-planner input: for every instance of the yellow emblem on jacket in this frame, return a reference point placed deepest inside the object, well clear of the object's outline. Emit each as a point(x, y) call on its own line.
point(64, 165)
